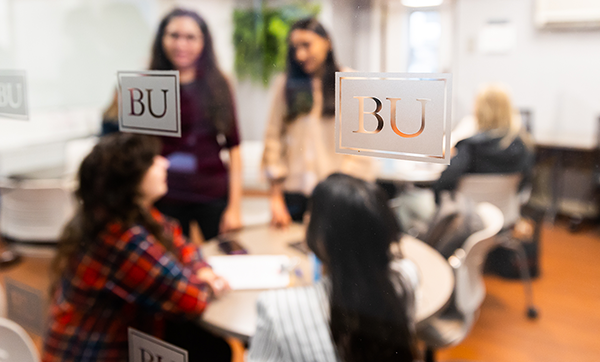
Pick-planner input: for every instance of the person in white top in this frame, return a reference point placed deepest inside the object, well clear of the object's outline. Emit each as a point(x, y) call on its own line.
point(363, 310)
point(299, 141)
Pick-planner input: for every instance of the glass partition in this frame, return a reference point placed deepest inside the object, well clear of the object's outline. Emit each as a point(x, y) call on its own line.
point(249, 171)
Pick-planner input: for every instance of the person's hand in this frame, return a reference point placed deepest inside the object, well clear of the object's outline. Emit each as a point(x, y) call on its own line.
point(280, 217)
point(218, 284)
point(231, 220)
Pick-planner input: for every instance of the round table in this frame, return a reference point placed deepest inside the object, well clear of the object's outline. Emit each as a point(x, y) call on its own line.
point(234, 314)
point(410, 171)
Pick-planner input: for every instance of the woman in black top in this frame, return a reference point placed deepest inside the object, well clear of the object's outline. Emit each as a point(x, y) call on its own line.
point(201, 187)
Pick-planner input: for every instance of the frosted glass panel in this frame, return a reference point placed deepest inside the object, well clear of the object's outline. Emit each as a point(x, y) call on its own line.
point(71, 49)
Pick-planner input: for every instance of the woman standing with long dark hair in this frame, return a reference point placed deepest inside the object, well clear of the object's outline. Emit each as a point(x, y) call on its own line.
point(363, 310)
point(299, 141)
point(201, 188)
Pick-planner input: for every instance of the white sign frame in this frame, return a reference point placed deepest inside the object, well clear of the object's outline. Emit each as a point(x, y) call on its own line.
point(172, 74)
point(371, 84)
point(139, 339)
point(24, 116)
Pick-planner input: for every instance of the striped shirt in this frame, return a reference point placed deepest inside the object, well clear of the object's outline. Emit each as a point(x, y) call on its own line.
point(125, 279)
point(293, 324)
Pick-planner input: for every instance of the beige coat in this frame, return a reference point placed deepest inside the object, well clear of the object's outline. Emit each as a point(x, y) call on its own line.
point(302, 153)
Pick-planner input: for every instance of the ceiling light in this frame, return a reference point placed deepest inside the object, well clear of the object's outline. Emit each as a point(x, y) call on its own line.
point(421, 3)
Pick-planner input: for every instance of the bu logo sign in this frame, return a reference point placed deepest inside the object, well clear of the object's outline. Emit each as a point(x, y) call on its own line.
point(145, 348)
point(148, 356)
point(13, 95)
point(393, 122)
point(394, 115)
point(137, 98)
point(149, 103)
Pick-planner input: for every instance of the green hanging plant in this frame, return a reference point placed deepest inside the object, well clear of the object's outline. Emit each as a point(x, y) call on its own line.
point(260, 39)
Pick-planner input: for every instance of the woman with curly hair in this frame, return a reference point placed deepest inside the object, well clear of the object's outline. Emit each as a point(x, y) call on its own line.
point(121, 263)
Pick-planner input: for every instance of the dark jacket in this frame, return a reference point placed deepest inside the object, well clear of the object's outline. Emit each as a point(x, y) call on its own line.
point(483, 153)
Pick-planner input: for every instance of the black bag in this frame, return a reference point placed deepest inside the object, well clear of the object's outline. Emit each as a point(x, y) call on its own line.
point(454, 221)
point(504, 262)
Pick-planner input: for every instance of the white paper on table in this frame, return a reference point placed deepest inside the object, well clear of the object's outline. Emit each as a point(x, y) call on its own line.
point(252, 271)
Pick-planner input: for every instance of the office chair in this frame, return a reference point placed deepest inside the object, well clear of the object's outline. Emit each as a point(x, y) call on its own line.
point(502, 191)
point(15, 343)
point(454, 323)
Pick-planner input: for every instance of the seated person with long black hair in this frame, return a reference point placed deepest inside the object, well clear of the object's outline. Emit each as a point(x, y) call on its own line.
point(363, 309)
point(121, 264)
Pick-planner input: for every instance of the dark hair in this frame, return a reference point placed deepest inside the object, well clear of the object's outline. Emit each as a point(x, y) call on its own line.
point(109, 191)
point(298, 88)
point(351, 229)
point(211, 84)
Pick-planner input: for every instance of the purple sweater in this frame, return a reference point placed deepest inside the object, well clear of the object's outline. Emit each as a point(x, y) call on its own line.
point(197, 174)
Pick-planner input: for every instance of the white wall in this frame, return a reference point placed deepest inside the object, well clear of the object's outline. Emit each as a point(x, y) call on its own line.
point(71, 50)
point(554, 73)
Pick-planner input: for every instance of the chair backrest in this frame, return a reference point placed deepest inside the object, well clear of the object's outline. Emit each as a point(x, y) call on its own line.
point(468, 260)
point(15, 343)
point(500, 190)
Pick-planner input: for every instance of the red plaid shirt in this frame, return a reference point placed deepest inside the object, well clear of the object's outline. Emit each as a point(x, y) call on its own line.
point(126, 279)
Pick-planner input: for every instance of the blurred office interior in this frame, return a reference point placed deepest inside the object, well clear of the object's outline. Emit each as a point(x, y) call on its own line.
point(544, 51)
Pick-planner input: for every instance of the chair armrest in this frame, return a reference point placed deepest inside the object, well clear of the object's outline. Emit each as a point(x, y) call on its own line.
point(456, 260)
